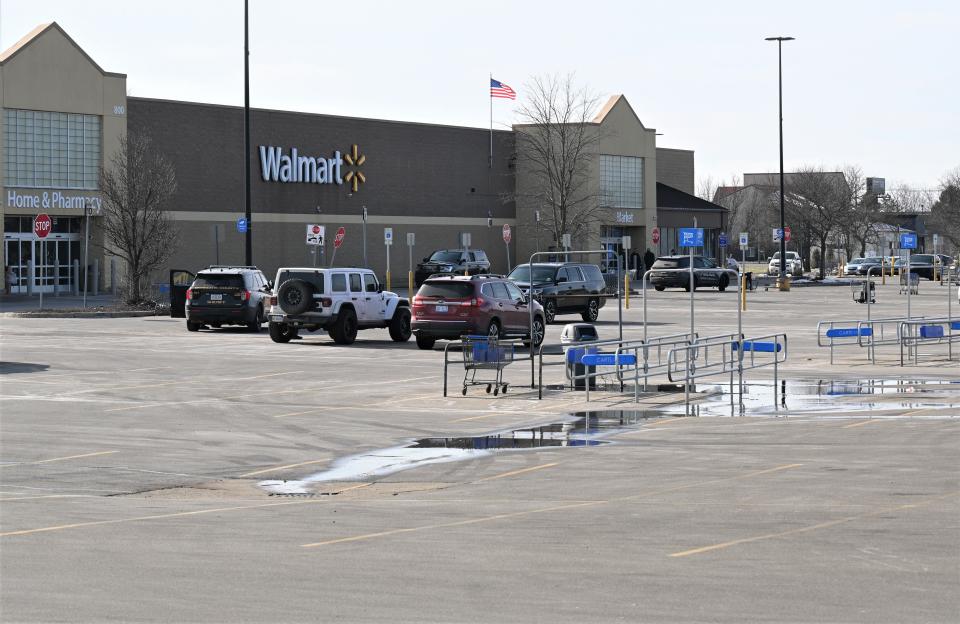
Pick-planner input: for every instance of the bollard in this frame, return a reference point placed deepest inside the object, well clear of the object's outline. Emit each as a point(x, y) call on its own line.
point(410, 284)
point(96, 277)
point(388, 280)
point(883, 271)
point(113, 276)
point(76, 278)
point(743, 293)
point(31, 276)
point(626, 291)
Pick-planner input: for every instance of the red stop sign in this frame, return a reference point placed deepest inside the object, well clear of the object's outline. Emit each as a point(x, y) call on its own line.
point(42, 225)
point(655, 235)
point(507, 235)
point(338, 239)
point(786, 234)
point(316, 229)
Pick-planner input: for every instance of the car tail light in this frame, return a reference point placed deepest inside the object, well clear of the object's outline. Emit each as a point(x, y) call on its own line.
point(273, 300)
point(417, 300)
point(326, 302)
point(189, 294)
point(245, 295)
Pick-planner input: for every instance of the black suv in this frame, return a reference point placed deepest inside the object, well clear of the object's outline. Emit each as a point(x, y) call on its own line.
point(564, 288)
point(707, 273)
point(221, 295)
point(452, 262)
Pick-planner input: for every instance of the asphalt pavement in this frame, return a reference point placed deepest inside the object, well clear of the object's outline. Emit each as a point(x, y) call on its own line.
point(151, 474)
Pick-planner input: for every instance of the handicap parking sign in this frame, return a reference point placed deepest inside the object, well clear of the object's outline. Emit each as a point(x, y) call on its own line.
point(723, 239)
point(691, 237)
point(908, 241)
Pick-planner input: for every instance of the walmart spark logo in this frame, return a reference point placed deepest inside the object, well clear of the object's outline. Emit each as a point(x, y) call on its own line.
point(355, 159)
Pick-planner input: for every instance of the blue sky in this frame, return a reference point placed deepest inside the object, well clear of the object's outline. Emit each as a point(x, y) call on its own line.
point(868, 83)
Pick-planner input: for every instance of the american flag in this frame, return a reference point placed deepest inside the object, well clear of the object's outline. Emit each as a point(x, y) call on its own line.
point(500, 90)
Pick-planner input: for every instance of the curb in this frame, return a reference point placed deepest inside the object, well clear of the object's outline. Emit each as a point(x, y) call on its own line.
point(80, 315)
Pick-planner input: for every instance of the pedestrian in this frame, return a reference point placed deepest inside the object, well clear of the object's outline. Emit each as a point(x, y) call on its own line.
point(11, 278)
point(732, 263)
point(648, 259)
point(673, 251)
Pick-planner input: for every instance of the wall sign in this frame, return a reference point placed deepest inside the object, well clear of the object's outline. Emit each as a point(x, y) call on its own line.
point(280, 165)
point(53, 200)
point(624, 217)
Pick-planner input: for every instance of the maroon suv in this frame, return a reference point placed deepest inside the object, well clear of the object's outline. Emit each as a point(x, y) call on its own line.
point(450, 307)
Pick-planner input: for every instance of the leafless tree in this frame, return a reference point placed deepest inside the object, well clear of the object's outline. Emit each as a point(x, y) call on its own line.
point(557, 144)
point(136, 187)
point(707, 187)
point(818, 203)
point(859, 226)
point(945, 213)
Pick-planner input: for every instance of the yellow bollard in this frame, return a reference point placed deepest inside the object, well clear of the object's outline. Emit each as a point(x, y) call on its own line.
point(883, 271)
point(388, 280)
point(626, 291)
point(410, 283)
point(743, 293)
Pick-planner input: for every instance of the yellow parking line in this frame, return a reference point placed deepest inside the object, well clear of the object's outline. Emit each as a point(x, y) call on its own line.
point(806, 529)
point(513, 473)
point(517, 514)
point(279, 468)
point(56, 459)
point(865, 422)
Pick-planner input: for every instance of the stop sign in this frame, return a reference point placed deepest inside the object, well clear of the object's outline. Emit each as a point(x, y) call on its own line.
point(316, 229)
point(786, 234)
point(506, 233)
point(42, 225)
point(338, 239)
point(655, 235)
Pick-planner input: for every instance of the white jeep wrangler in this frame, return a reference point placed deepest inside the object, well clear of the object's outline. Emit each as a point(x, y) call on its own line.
point(341, 301)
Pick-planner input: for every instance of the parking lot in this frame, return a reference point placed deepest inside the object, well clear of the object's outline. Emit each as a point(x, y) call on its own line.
point(134, 456)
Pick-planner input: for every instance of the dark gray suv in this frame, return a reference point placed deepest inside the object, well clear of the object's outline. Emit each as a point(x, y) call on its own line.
point(563, 288)
point(221, 295)
point(452, 262)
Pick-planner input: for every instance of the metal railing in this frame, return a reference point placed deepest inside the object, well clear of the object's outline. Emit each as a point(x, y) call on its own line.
point(914, 333)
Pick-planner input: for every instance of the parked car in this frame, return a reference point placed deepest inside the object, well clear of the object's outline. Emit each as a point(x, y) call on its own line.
point(794, 264)
point(920, 264)
point(713, 275)
point(452, 262)
point(455, 306)
point(340, 301)
point(860, 266)
point(563, 288)
point(222, 295)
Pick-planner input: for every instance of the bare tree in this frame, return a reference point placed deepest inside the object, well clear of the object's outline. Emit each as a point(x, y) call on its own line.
point(945, 213)
point(859, 226)
point(137, 187)
point(818, 203)
point(557, 143)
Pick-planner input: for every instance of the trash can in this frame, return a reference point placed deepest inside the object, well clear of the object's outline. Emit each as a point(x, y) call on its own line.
point(579, 334)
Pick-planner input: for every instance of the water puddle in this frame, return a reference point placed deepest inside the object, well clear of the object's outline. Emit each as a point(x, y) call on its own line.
point(839, 397)
point(581, 430)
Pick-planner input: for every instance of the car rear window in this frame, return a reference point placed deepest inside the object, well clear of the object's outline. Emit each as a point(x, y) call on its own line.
point(446, 256)
point(446, 290)
point(315, 278)
point(218, 280)
point(592, 272)
point(672, 263)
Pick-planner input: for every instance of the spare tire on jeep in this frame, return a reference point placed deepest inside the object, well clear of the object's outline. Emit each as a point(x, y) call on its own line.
point(295, 296)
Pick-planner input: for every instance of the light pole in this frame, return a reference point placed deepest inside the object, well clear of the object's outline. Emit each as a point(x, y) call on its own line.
point(784, 280)
point(248, 245)
point(365, 265)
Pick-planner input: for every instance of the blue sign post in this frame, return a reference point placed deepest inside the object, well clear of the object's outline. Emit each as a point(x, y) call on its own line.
point(691, 237)
point(723, 239)
point(242, 225)
point(908, 240)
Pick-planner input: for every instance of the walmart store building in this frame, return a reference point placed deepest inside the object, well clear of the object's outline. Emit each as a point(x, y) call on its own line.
point(63, 117)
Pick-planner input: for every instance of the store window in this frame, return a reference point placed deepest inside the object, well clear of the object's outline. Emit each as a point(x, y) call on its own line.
point(621, 181)
point(51, 150)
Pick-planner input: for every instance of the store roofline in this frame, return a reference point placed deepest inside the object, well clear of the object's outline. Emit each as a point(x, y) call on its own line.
point(324, 115)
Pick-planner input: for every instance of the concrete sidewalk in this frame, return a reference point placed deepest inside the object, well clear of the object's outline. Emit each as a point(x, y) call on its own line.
point(29, 303)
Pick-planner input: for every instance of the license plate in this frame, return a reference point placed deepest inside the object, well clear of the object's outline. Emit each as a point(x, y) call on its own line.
point(216, 297)
point(441, 308)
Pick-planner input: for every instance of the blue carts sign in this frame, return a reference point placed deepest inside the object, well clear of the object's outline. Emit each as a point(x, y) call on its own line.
point(691, 237)
point(908, 241)
point(242, 225)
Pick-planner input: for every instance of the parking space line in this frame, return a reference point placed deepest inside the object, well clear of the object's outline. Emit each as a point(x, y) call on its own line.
point(388, 533)
point(278, 468)
point(866, 422)
point(20, 498)
point(516, 514)
point(514, 473)
point(813, 527)
point(309, 411)
point(56, 459)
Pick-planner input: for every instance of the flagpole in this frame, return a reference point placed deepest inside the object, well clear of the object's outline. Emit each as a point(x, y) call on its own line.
point(490, 95)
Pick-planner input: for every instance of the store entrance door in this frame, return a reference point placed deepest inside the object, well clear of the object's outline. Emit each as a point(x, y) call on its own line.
point(53, 257)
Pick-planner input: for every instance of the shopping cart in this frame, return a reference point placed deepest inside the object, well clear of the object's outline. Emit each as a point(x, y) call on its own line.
point(482, 353)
